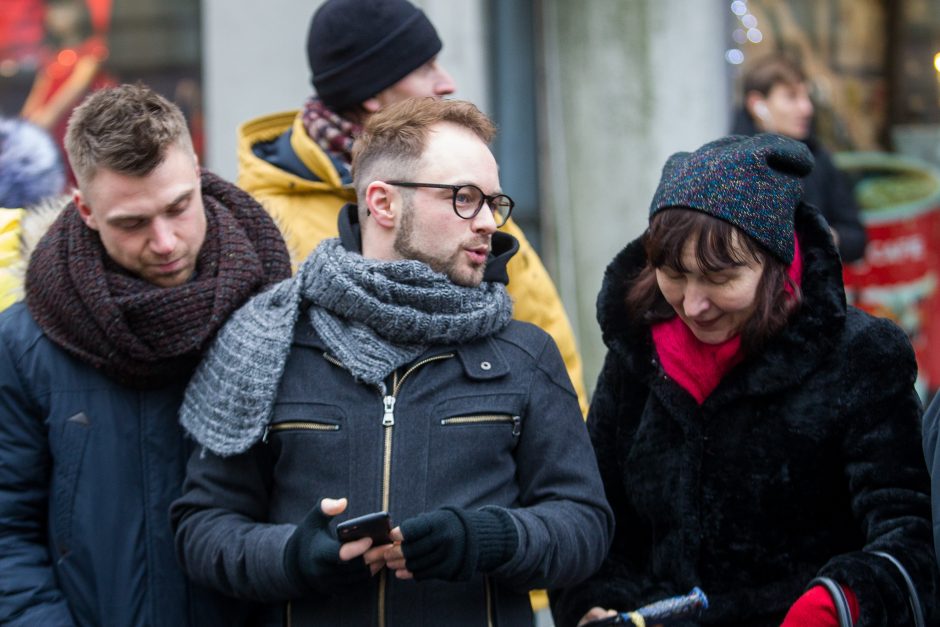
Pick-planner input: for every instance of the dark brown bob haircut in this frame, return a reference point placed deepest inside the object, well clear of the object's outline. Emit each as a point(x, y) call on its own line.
point(663, 243)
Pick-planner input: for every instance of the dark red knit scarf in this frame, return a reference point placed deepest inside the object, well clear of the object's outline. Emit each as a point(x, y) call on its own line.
point(331, 132)
point(137, 333)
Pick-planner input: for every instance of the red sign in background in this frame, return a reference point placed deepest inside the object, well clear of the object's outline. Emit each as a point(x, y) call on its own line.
point(898, 277)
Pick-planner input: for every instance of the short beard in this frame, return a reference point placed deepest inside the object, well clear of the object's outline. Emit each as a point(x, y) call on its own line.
point(404, 246)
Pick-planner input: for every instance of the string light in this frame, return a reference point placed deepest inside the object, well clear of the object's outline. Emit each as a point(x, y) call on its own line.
point(734, 56)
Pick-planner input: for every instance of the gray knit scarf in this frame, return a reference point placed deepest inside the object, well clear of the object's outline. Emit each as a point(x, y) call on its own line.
point(373, 316)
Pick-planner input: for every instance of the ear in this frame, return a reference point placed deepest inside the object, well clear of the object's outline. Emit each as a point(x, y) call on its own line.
point(372, 105)
point(756, 105)
point(85, 211)
point(382, 203)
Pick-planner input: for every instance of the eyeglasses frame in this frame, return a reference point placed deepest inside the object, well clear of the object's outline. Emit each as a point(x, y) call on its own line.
point(486, 200)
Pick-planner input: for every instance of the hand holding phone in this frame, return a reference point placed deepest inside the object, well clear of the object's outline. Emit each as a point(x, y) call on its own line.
point(376, 526)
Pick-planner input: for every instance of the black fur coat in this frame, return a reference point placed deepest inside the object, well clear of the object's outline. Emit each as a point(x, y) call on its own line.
point(804, 457)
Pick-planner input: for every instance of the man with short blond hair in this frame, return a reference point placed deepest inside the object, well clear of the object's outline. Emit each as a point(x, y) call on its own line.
point(123, 294)
point(365, 55)
point(429, 403)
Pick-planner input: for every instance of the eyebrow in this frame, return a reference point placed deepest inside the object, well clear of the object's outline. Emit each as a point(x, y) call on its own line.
point(130, 216)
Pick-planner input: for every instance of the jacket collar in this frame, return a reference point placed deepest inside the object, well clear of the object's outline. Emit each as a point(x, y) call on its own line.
point(786, 360)
point(502, 247)
point(481, 360)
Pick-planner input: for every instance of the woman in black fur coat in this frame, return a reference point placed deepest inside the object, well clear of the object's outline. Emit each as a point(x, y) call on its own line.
point(753, 431)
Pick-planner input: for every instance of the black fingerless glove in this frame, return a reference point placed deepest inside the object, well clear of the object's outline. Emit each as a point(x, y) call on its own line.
point(452, 544)
point(311, 557)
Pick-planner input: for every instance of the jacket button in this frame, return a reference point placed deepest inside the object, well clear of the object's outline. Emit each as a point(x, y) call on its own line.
point(485, 365)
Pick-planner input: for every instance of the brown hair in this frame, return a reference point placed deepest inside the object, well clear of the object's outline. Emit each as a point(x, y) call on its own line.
point(663, 243)
point(771, 70)
point(395, 137)
point(126, 129)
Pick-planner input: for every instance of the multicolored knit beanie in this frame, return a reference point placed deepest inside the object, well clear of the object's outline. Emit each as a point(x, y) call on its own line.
point(753, 183)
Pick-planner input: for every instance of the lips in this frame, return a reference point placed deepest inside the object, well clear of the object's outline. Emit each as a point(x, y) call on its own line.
point(478, 254)
point(170, 266)
point(705, 324)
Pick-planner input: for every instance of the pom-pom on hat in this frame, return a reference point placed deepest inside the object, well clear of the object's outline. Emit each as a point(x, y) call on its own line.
point(357, 48)
point(754, 183)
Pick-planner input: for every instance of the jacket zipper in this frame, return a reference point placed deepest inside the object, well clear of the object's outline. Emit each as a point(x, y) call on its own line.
point(486, 419)
point(388, 424)
point(489, 601)
point(298, 426)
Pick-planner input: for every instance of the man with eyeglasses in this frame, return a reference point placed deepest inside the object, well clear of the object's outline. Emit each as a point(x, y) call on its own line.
point(363, 56)
point(388, 376)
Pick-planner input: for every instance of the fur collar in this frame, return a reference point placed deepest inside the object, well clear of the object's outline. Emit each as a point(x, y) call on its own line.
point(785, 361)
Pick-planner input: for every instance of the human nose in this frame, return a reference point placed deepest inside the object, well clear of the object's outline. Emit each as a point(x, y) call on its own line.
point(443, 82)
point(484, 221)
point(695, 300)
point(162, 238)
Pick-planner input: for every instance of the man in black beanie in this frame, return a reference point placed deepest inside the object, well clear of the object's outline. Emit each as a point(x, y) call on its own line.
point(365, 55)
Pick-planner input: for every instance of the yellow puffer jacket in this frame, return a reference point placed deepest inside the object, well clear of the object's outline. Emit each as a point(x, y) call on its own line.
point(307, 211)
point(12, 265)
point(20, 231)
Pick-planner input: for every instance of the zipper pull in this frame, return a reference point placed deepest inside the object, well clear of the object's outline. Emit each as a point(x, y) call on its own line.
point(389, 418)
point(264, 438)
point(516, 425)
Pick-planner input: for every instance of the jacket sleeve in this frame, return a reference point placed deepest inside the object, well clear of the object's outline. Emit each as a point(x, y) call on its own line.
point(887, 480)
point(622, 583)
point(932, 455)
point(536, 300)
point(221, 538)
point(563, 521)
point(29, 594)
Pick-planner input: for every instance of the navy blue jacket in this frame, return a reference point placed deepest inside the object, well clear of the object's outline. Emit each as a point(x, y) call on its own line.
point(88, 469)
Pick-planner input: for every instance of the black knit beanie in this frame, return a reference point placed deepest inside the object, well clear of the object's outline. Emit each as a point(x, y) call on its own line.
point(357, 48)
point(755, 183)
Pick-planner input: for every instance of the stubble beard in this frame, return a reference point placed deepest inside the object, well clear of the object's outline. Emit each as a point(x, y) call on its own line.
point(404, 245)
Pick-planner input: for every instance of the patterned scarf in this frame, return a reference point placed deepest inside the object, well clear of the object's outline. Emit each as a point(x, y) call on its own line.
point(137, 333)
point(331, 132)
point(373, 316)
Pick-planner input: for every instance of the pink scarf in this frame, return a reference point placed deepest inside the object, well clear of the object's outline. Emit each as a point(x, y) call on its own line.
point(699, 367)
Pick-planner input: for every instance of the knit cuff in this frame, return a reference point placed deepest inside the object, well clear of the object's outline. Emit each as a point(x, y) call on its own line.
point(491, 535)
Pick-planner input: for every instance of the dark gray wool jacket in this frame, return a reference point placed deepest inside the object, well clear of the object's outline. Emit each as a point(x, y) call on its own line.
point(803, 460)
point(527, 451)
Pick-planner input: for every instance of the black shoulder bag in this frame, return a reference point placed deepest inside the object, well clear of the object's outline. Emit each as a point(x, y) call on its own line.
point(842, 605)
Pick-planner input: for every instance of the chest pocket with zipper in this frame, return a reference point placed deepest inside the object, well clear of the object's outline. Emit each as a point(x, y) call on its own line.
point(474, 437)
point(309, 435)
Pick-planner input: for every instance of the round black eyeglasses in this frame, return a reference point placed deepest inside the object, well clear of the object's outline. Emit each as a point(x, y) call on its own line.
point(468, 200)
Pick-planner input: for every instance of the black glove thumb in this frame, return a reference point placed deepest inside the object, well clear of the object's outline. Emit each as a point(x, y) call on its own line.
point(311, 557)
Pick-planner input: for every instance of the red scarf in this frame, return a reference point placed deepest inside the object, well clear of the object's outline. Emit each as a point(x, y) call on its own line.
point(699, 367)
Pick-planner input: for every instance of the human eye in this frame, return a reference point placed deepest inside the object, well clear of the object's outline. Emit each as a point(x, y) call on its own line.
point(671, 273)
point(129, 224)
point(467, 197)
point(721, 277)
point(179, 207)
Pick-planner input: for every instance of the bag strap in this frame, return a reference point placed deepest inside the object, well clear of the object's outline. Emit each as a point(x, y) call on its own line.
point(912, 596)
point(838, 599)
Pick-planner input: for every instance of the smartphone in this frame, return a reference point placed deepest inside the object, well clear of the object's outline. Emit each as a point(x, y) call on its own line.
point(376, 526)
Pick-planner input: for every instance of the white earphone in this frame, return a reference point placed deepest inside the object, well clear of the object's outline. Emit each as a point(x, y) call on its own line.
point(761, 110)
